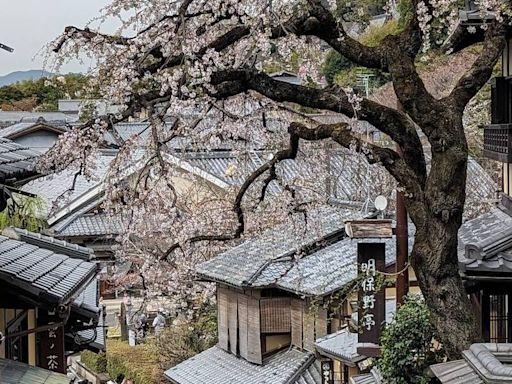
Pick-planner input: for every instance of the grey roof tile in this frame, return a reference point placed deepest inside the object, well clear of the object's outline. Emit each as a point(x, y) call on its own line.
point(41, 272)
point(342, 344)
point(485, 230)
point(456, 372)
point(243, 264)
point(52, 187)
point(345, 167)
point(14, 372)
point(268, 260)
point(17, 129)
point(96, 224)
point(215, 366)
point(49, 243)
point(24, 116)
point(16, 160)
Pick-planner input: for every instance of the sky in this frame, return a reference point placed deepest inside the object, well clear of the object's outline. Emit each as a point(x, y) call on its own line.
point(28, 25)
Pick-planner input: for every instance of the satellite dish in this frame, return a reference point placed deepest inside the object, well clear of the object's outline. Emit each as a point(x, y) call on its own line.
point(381, 203)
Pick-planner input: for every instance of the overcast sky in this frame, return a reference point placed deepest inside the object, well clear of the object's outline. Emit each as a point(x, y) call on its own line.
point(27, 25)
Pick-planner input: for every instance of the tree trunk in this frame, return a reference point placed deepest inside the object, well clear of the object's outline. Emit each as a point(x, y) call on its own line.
point(434, 257)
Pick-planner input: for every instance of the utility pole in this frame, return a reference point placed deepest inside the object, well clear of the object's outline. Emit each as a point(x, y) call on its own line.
point(6, 48)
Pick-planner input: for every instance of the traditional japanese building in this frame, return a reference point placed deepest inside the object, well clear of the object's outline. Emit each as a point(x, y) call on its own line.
point(49, 304)
point(286, 306)
point(38, 135)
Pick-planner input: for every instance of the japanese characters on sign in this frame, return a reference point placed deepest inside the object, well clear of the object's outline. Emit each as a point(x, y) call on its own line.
point(371, 260)
point(368, 287)
point(327, 372)
point(51, 343)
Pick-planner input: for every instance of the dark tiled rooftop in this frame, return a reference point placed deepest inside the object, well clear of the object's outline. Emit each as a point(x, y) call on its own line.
point(16, 160)
point(52, 277)
point(483, 245)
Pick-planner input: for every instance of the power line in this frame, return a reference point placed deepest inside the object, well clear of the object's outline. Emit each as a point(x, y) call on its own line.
point(6, 48)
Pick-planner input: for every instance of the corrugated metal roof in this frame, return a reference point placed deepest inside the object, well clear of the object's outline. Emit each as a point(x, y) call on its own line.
point(53, 277)
point(217, 366)
point(14, 372)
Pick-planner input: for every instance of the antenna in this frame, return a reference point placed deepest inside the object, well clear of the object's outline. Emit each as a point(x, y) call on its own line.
point(6, 48)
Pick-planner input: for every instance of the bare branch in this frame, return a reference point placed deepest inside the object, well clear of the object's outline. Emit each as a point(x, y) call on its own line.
point(469, 84)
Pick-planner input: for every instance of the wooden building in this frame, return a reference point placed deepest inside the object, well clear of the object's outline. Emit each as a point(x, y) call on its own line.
point(49, 302)
point(281, 297)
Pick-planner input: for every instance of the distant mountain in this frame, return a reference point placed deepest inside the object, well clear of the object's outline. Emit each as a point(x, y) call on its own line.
point(14, 77)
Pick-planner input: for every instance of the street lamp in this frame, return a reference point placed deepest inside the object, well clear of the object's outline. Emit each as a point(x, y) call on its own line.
point(6, 48)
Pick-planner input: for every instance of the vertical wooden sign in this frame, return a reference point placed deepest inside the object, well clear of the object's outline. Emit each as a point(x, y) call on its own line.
point(372, 301)
point(327, 372)
point(52, 354)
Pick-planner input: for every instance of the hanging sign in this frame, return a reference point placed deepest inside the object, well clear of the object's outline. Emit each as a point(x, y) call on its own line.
point(51, 344)
point(372, 298)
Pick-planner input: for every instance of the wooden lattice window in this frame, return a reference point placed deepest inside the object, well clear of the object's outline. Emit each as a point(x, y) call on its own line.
point(275, 315)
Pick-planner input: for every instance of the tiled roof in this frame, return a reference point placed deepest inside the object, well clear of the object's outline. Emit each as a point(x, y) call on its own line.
point(50, 243)
point(17, 129)
point(92, 224)
point(345, 167)
point(268, 260)
point(14, 372)
point(343, 344)
point(88, 301)
point(52, 277)
point(130, 130)
point(488, 231)
point(23, 116)
point(243, 264)
point(374, 377)
point(456, 372)
point(215, 366)
point(51, 187)
point(348, 172)
point(482, 363)
point(15, 159)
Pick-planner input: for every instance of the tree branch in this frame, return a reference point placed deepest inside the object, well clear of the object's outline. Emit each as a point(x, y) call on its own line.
point(481, 70)
point(387, 120)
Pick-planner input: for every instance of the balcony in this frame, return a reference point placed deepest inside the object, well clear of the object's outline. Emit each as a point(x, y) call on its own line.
point(498, 142)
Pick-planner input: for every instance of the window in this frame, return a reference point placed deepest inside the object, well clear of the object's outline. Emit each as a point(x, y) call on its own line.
point(496, 317)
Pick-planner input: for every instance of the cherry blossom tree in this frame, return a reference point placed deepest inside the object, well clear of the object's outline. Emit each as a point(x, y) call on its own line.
point(192, 58)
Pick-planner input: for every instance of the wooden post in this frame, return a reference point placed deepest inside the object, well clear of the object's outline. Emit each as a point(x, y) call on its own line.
point(402, 248)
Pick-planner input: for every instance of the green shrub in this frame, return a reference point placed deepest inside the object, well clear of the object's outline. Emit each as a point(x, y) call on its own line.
point(182, 341)
point(139, 362)
point(96, 362)
point(408, 344)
